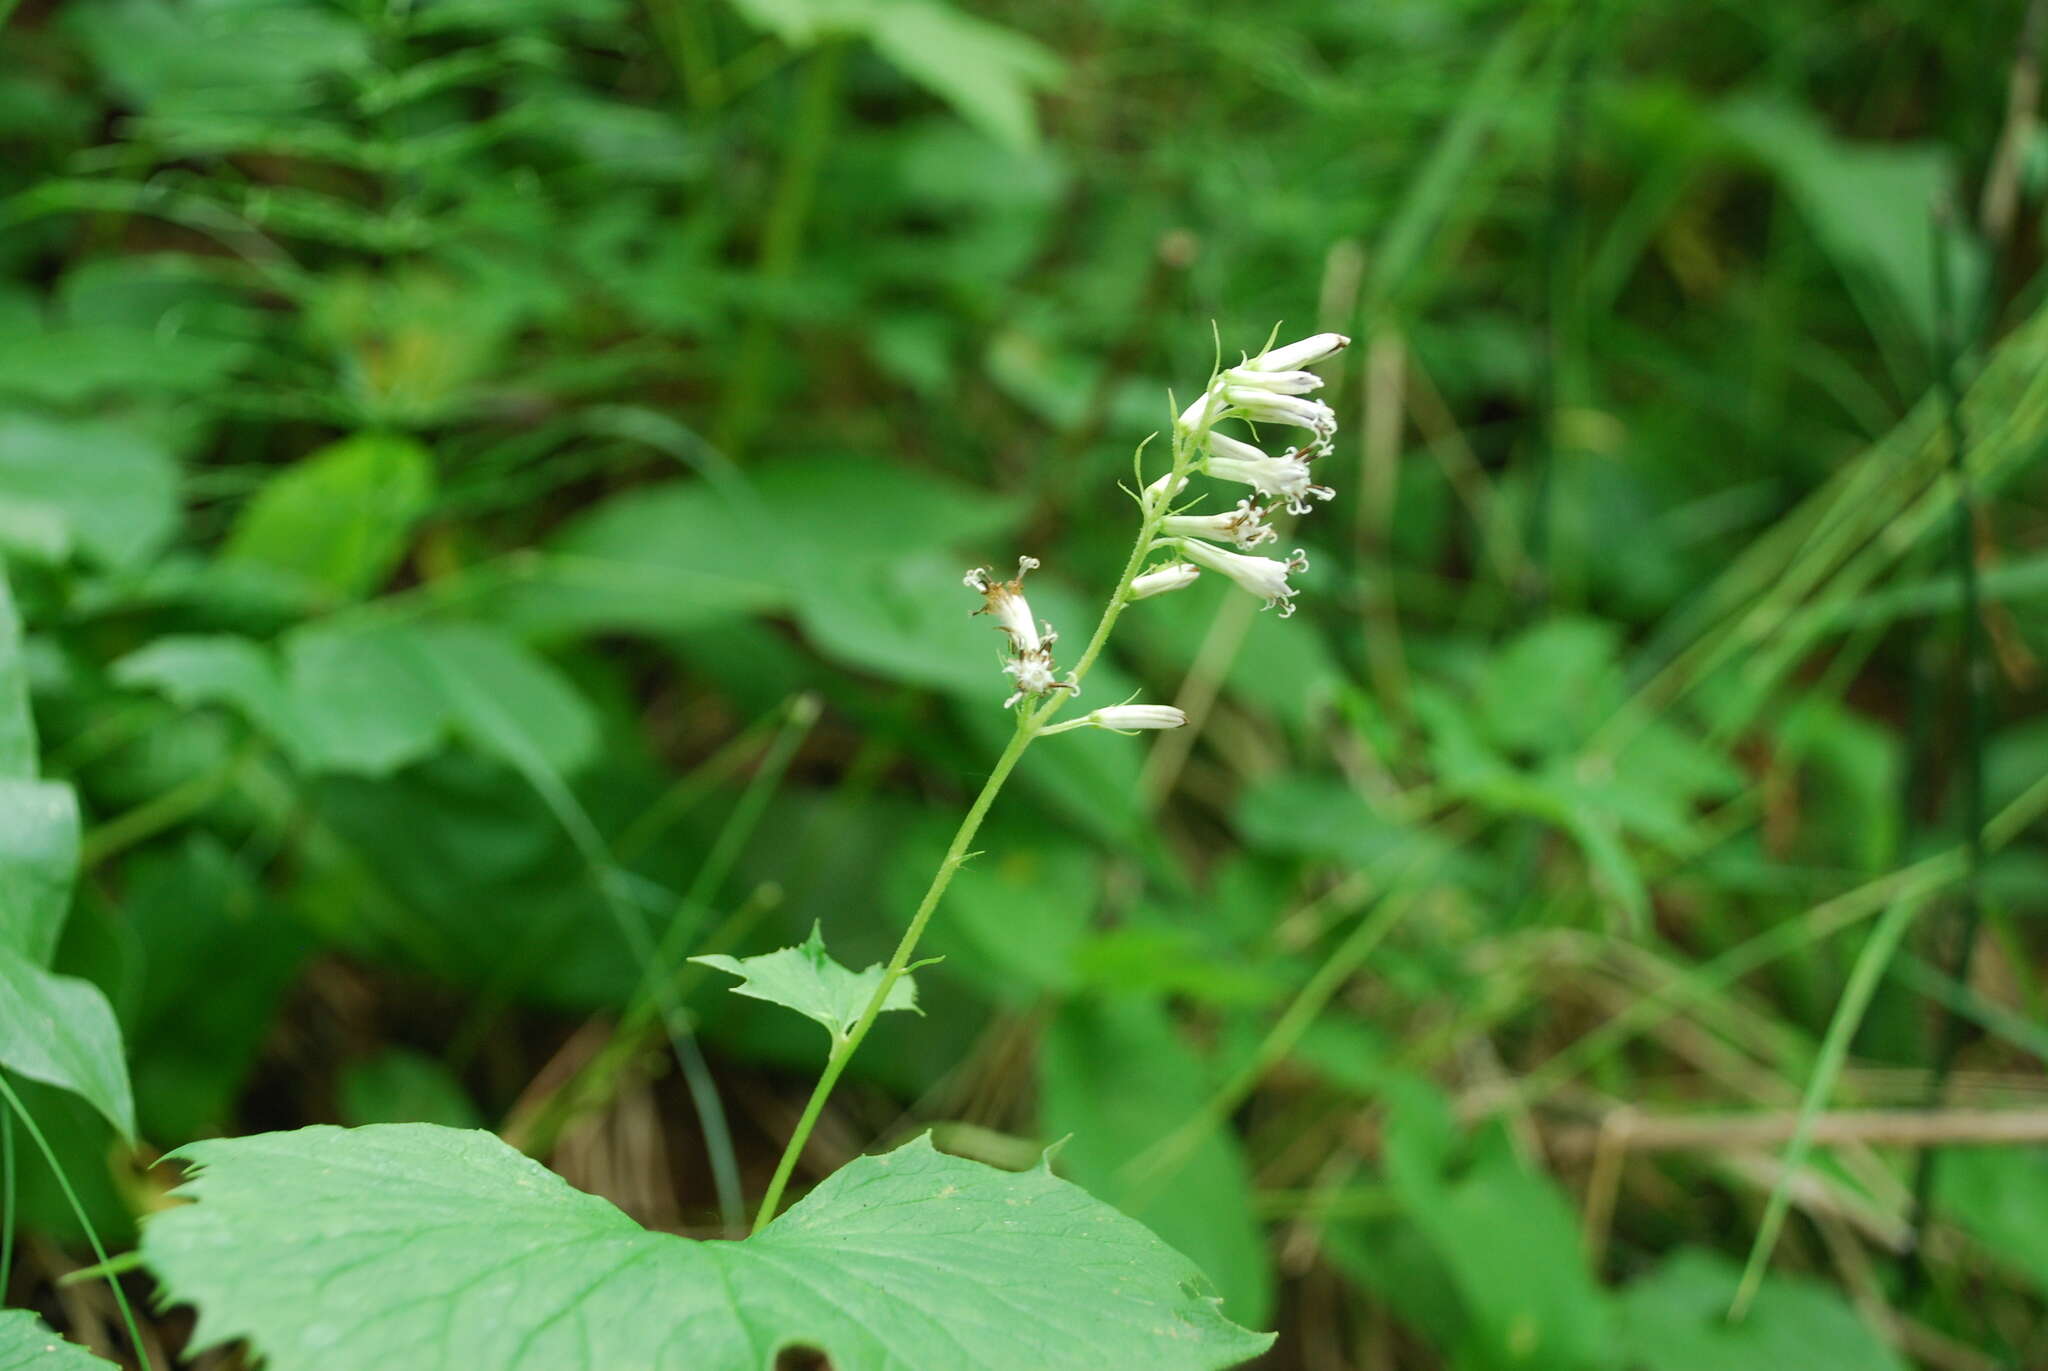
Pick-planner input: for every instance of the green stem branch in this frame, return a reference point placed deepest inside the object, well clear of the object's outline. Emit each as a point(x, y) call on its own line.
point(1031, 721)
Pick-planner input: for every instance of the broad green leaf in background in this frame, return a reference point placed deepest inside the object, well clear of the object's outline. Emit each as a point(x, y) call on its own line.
point(71, 367)
point(1014, 916)
point(1997, 1195)
point(806, 979)
point(1676, 1319)
point(193, 670)
point(505, 701)
point(27, 1345)
point(399, 1085)
point(61, 1031)
point(984, 71)
point(192, 906)
point(110, 494)
point(370, 695)
point(1507, 1238)
point(1871, 205)
point(243, 58)
point(653, 559)
point(38, 862)
point(439, 1250)
point(339, 519)
point(361, 697)
point(900, 621)
point(1115, 1075)
point(17, 723)
point(1545, 691)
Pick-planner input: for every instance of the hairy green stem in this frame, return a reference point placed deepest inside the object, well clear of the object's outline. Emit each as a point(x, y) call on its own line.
point(843, 1048)
point(1031, 721)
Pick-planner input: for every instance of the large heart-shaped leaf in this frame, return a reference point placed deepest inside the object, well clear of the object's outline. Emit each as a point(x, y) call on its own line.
point(436, 1249)
point(26, 1345)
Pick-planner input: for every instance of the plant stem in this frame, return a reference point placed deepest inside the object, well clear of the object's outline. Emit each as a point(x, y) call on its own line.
point(1970, 623)
point(1031, 720)
point(844, 1048)
point(14, 1110)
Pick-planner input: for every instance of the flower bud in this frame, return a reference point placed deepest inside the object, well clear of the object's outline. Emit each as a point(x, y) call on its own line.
point(1130, 718)
point(1172, 576)
point(1305, 353)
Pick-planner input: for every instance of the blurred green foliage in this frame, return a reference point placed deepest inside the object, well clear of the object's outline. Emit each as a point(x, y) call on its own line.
point(442, 444)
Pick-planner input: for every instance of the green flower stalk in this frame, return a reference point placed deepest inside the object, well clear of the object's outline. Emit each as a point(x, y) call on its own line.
point(1266, 389)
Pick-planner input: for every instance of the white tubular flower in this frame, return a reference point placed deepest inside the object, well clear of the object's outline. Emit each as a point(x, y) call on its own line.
point(1005, 600)
point(1264, 577)
point(1305, 353)
point(1223, 445)
point(1278, 382)
point(1245, 526)
point(1285, 477)
point(1131, 718)
point(1172, 576)
point(1030, 666)
point(1266, 407)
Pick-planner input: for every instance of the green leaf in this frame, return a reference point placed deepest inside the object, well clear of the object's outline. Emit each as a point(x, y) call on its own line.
point(806, 979)
point(401, 1086)
point(437, 1250)
point(26, 1345)
point(1997, 1194)
point(17, 721)
point(1871, 205)
point(361, 697)
point(339, 519)
point(505, 701)
point(38, 862)
point(1546, 691)
point(984, 71)
point(69, 367)
point(218, 669)
point(242, 57)
point(1115, 1075)
point(108, 493)
point(190, 907)
point(652, 560)
point(61, 1031)
point(370, 696)
point(1508, 1241)
point(1676, 1319)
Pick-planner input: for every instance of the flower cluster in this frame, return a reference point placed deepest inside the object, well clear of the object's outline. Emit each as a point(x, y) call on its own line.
point(1266, 389)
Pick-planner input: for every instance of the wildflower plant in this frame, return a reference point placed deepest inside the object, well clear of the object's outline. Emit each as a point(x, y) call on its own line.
point(1174, 543)
point(443, 1248)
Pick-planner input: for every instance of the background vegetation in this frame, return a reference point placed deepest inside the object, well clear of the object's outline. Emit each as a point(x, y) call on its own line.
point(486, 484)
